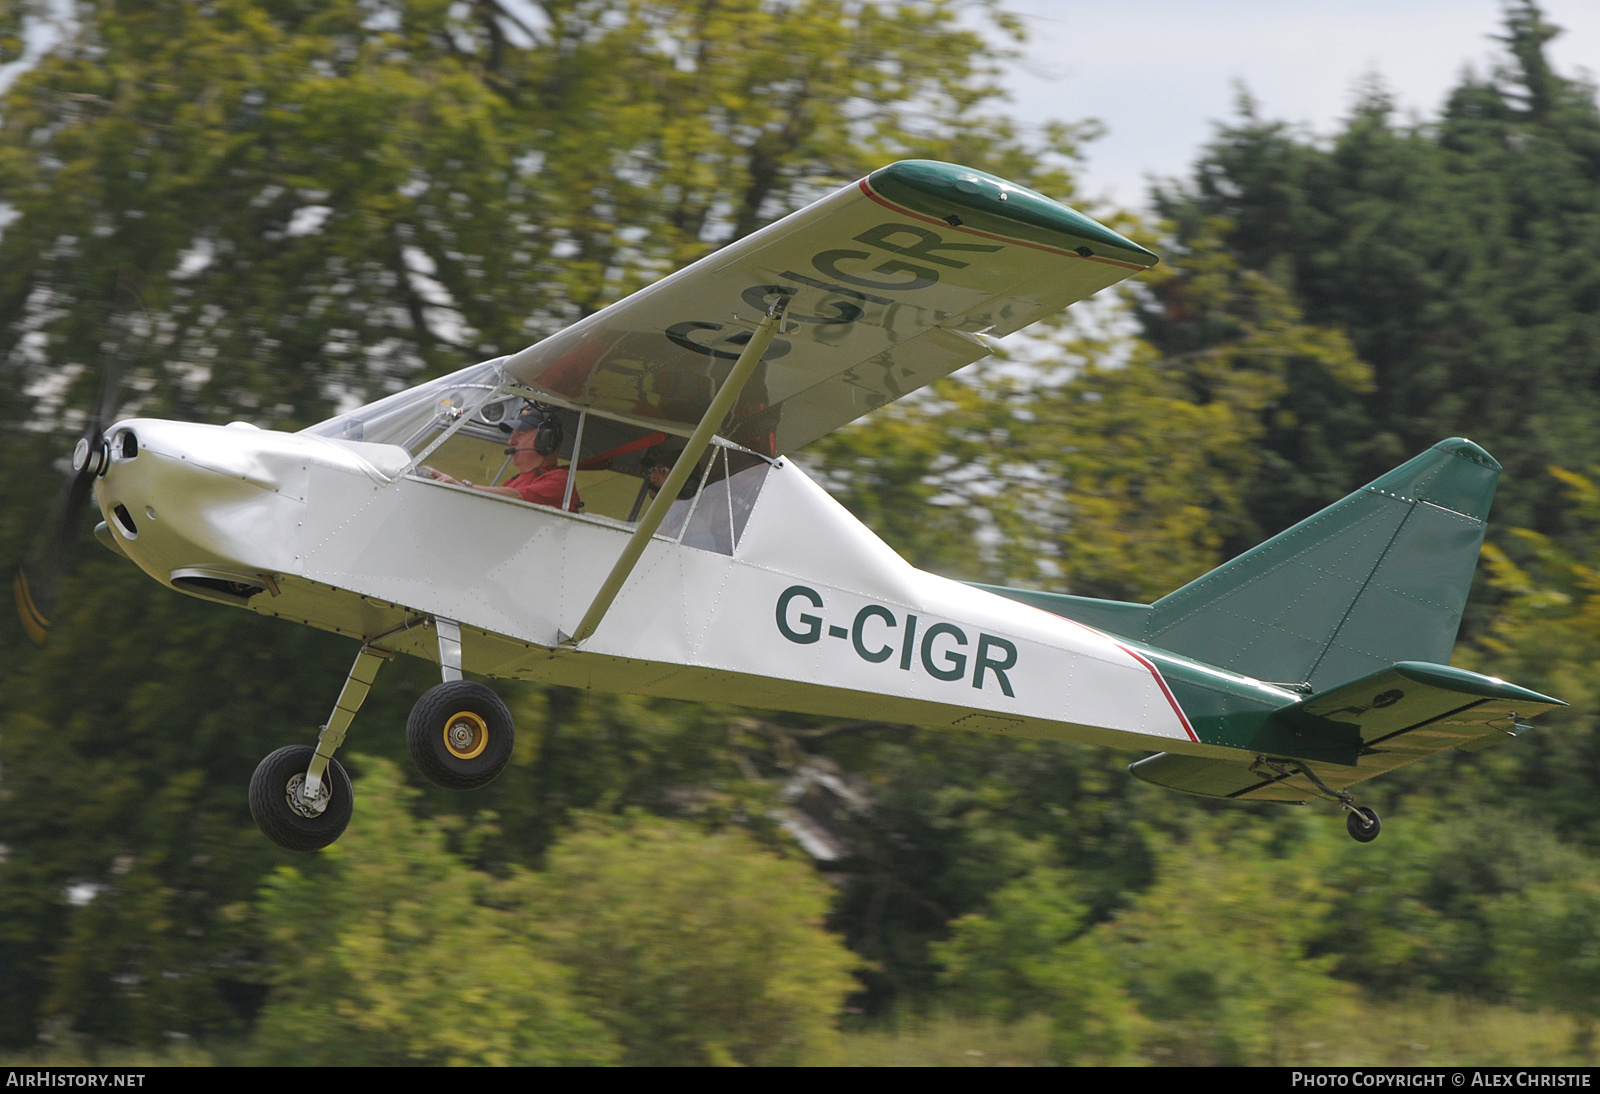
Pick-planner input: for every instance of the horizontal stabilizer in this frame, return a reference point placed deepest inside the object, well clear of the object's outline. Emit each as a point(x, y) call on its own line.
point(1403, 713)
point(1217, 779)
point(1414, 702)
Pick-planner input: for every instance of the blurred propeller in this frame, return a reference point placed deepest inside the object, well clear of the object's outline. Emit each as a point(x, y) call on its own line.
point(38, 579)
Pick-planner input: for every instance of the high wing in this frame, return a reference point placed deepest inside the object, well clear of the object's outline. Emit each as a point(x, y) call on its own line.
point(892, 282)
point(1388, 719)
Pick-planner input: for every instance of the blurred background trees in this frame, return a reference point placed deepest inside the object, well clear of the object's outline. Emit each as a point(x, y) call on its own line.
point(322, 202)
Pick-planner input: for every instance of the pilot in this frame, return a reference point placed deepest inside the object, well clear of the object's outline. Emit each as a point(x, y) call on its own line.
point(535, 440)
point(657, 466)
point(656, 470)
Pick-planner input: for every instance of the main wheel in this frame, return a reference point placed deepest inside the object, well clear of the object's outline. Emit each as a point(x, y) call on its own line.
point(1363, 824)
point(283, 814)
point(460, 735)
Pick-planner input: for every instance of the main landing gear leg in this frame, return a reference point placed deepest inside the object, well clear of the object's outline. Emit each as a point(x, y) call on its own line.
point(300, 796)
point(1361, 821)
point(449, 632)
point(459, 734)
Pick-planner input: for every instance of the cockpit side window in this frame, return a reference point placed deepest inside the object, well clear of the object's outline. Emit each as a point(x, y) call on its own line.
point(614, 464)
point(713, 519)
point(453, 424)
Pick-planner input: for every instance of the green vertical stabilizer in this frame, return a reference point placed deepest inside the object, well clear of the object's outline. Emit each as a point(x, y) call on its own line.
point(1377, 578)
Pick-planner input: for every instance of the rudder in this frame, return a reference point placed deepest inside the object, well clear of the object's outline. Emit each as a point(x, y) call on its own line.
point(1377, 578)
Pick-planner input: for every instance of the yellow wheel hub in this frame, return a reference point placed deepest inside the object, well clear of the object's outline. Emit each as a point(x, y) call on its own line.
point(465, 735)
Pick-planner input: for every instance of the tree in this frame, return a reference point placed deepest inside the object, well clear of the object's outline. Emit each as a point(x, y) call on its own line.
point(1457, 254)
point(696, 948)
point(1210, 965)
point(392, 951)
point(1550, 950)
point(1217, 953)
point(1030, 953)
point(1546, 630)
point(1104, 468)
point(324, 202)
point(329, 202)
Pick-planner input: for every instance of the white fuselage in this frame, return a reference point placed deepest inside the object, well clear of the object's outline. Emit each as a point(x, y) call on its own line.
point(811, 613)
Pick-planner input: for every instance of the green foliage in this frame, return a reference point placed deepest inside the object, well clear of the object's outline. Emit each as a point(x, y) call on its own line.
point(391, 951)
point(1030, 955)
point(1104, 468)
point(1209, 966)
point(269, 208)
point(582, 753)
point(696, 949)
point(1456, 253)
point(1217, 952)
point(14, 16)
point(643, 941)
point(1411, 1031)
point(953, 819)
point(952, 1040)
point(1550, 948)
point(331, 200)
point(1546, 630)
point(127, 746)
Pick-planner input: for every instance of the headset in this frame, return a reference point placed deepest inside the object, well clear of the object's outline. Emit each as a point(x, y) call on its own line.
point(549, 436)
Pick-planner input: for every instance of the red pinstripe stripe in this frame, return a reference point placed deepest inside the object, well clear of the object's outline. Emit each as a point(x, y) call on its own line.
point(1176, 709)
point(1183, 719)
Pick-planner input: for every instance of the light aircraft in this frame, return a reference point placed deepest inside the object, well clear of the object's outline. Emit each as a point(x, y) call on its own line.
point(1311, 663)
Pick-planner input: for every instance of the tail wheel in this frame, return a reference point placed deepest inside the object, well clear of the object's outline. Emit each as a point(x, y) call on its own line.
point(1363, 824)
point(460, 735)
point(283, 811)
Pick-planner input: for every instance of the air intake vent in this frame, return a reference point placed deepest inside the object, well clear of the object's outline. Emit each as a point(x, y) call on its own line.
point(125, 521)
point(212, 585)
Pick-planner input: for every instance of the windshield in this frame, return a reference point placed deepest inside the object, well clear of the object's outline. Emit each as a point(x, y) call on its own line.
point(413, 417)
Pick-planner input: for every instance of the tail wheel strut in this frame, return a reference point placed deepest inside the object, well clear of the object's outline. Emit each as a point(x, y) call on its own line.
point(1361, 821)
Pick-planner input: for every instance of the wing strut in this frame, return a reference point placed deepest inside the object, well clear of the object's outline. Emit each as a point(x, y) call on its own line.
point(743, 368)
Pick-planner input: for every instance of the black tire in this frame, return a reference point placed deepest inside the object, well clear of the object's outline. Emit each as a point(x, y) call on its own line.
point(1363, 824)
point(460, 735)
point(278, 820)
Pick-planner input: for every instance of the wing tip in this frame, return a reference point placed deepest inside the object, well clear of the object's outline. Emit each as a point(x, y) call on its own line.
point(993, 198)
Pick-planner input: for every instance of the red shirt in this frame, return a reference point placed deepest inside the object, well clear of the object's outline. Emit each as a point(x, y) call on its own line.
point(544, 487)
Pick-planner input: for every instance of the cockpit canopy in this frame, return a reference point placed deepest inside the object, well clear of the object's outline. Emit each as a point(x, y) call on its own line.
point(460, 424)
